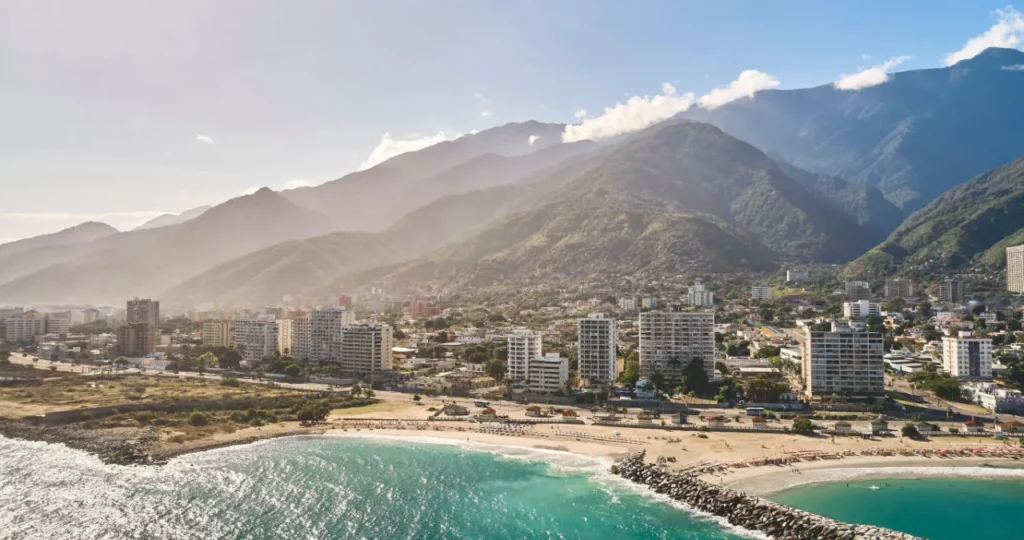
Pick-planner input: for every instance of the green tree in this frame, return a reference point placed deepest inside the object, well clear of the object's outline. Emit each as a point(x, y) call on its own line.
point(910, 430)
point(803, 426)
point(630, 373)
point(496, 369)
point(314, 411)
point(198, 418)
point(293, 370)
point(722, 368)
point(695, 378)
point(659, 381)
point(416, 398)
point(768, 351)
point(231, 359)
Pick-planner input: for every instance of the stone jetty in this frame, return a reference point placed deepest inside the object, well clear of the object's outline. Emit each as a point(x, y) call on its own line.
point(752, 513)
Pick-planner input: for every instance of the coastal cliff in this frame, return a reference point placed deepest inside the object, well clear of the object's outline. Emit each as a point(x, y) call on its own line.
point(752, 513)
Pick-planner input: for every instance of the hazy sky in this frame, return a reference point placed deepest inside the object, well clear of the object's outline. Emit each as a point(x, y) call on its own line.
point(120, 110)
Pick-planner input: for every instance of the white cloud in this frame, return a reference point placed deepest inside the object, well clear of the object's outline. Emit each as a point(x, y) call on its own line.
point(636, 113)
point(532, 139)
point(872, 76)
point(204, 139)
point(1015, 67)
point(580, 115)
point(746, 85)
point(297, 183)
point(487, 114)
point(390, 147)
point(1008, 31)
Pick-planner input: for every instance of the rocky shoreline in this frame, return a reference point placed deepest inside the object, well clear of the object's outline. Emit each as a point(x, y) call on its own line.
point(752, 513)
point(125, 446)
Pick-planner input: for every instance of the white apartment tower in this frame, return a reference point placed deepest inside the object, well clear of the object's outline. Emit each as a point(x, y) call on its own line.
point(699, 296)
point(861, 309)
point(284, 337)
point(967, 356)
point(522, 346)
point(843, 362)
point(24, 327)
point(326, 327)
point(300, 338)
point(670, 340)
point(1015, 269)
point(366, 348)
point(596, 340)
point(256, 337)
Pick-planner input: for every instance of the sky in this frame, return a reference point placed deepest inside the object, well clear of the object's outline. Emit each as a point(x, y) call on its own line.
point(119, 111)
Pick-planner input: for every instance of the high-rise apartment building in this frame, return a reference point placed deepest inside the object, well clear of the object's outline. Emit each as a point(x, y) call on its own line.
point(91, 315)
point(899, 288)
point(861, 309)
point(547, 374)
point(670, 340)
point(256, 337)
point(58, 322)
point(967, 356)
point(325, 333)
point(136, 340)
point(284, 337)
point(1015, 269)
point(843, 362)
point(950, 291)
point(143, 310)
point(345, 301)
point(366, 348)
point(762, 292)
point(857, 290)
point(522, 346)
point(300, 337)
point(596, 341)
point(24, 327)
point(218, 333)
point(699, 296)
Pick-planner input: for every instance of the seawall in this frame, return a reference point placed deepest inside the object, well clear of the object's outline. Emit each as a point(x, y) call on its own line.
point(752, 513)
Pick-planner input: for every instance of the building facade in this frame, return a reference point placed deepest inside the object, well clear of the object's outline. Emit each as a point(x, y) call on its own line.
point(670, 340)
point(857, 290)
point(798, 275)
point(547, 374)
point(24, 327)
point(284, 337)
point(628, 303)
point(256, 338)
point(522, 346)
point(861, 309)
point(1015, 269)
point(843, 362)
point(899, 288)
point(967, 356)
point(218, 333)
point(326, 327)
point(58, 322)
point(596, 341)
point(419, 308)
point(300, 338)
point(950, 291)
point(136, 340)
point(698, 296)
point(366, 348)
point(762, 292)
point(144, 311)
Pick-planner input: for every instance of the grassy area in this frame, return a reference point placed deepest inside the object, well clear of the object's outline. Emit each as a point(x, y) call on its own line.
point(61, 393)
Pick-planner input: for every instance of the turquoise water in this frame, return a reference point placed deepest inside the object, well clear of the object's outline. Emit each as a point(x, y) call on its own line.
point(329, 487)
point(936, 508)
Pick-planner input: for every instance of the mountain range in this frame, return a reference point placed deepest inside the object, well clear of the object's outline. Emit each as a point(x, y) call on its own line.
point(787, 176)
point(913, 137)
point(972, 223)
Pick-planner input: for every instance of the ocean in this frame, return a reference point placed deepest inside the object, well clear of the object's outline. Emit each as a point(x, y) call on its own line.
point(333, 487)
point(935, 508)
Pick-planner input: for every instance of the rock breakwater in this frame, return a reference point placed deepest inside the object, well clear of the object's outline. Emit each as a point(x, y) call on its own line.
point(752, 513)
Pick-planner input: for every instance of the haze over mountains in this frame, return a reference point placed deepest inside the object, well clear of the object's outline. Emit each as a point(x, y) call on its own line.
point(788, 176)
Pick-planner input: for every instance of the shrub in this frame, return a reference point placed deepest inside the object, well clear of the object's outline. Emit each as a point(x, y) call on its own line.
point(909, 430)
point(198, 418)
point(803, 426)
point(230, 381)
point(144, 417)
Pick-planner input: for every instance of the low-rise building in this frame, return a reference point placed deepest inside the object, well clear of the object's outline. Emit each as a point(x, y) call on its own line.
point(861, 309)
point(762, 292)
point(547, 374)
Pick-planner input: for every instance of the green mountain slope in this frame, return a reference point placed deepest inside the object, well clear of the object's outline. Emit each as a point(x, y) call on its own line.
point(973, 222)
point(914, 137)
